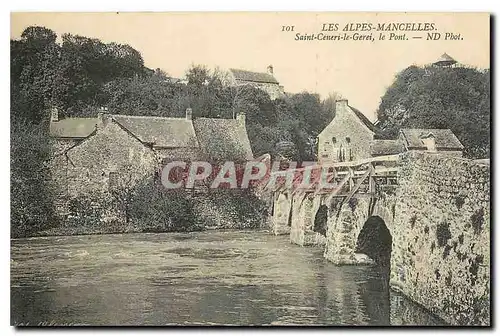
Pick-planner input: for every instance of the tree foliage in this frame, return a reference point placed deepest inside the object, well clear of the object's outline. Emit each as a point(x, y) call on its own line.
point(31, 197)
point(432, 97)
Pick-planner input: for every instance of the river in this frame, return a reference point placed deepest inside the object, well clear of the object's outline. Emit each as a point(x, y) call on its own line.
point(200, 278)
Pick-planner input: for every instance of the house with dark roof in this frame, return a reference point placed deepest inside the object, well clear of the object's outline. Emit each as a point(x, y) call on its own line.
point(434, 140)
point(347, 137)
point(265, 81)
point(98, 154)
point(431, 140)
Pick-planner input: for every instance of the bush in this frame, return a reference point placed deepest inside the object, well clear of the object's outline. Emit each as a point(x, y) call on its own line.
point(155, 209)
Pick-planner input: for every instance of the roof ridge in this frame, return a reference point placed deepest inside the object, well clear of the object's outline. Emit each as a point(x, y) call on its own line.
point(418, 129)
point(253, 76)
point(207, 118)
point(364, 119)
point(150, 117)
point(75, 118)
point(263, 72)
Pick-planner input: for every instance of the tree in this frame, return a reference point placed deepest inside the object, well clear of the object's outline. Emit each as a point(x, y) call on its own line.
point(31, 196)
point(145, 95)
point(255, 103)
point(34, 66)
point(198, 75)
point(87, 64)
point(312, 114)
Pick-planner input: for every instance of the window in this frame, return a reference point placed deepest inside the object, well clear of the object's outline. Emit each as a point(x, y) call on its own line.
point(334, 140)
point(348, 140)
point(113, 181)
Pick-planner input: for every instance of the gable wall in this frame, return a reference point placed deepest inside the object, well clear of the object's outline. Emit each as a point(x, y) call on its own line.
point(273, 90)
point(345, 124)
point(111, 149)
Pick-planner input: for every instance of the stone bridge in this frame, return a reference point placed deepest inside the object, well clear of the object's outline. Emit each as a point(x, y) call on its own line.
point(426, 216)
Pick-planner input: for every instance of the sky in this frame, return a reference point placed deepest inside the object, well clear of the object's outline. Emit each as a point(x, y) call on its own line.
point(360, 71)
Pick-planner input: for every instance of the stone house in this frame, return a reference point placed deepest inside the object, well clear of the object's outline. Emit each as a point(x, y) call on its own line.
point(347, 137)
point(95, 155)
point(265, 81)
point(441, 141)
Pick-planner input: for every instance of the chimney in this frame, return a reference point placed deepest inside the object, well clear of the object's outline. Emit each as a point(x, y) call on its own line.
point(241, 118)
point(341, 103)
point(100, 120)
point(270, 69)
point(102, 117)
point(54, 114)
point(189, 113)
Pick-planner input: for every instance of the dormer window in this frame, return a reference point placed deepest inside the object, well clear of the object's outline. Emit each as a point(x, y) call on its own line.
point(112, 181)
point(334, 140)
point(429, 141)
point(348, 140)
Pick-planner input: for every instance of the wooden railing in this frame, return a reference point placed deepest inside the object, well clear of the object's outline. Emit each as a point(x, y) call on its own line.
point(343, 179)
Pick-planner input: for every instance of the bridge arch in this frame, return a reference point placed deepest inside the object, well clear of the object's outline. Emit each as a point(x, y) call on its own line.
point(305, 208)
point(348, 219)
point(375, 241)
point(321, 220)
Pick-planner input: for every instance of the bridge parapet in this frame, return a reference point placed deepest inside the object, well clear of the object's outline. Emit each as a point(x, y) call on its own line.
point(338, 178)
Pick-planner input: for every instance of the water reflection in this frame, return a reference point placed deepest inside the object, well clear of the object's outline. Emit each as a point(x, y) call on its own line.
point(229, 278)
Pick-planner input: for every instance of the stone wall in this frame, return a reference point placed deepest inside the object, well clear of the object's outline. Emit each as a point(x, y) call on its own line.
point(439, 220)
point(441, 237)
point(179, 154)
point(272, 89)
point(280, 216)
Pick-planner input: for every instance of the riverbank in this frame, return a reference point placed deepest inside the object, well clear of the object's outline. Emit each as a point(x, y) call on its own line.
point(154, 211)
point(131, 228)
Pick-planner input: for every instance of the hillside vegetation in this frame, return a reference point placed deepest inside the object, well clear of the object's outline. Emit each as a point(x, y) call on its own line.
point(432, 97)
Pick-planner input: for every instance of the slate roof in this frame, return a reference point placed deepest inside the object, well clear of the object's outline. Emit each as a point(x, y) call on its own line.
point(159, 131)
point(220, 139)
point(386, 147)
point(444, 138)
point(223, 139)
point(76, 128)
point(364, 119)
point(250, 76)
